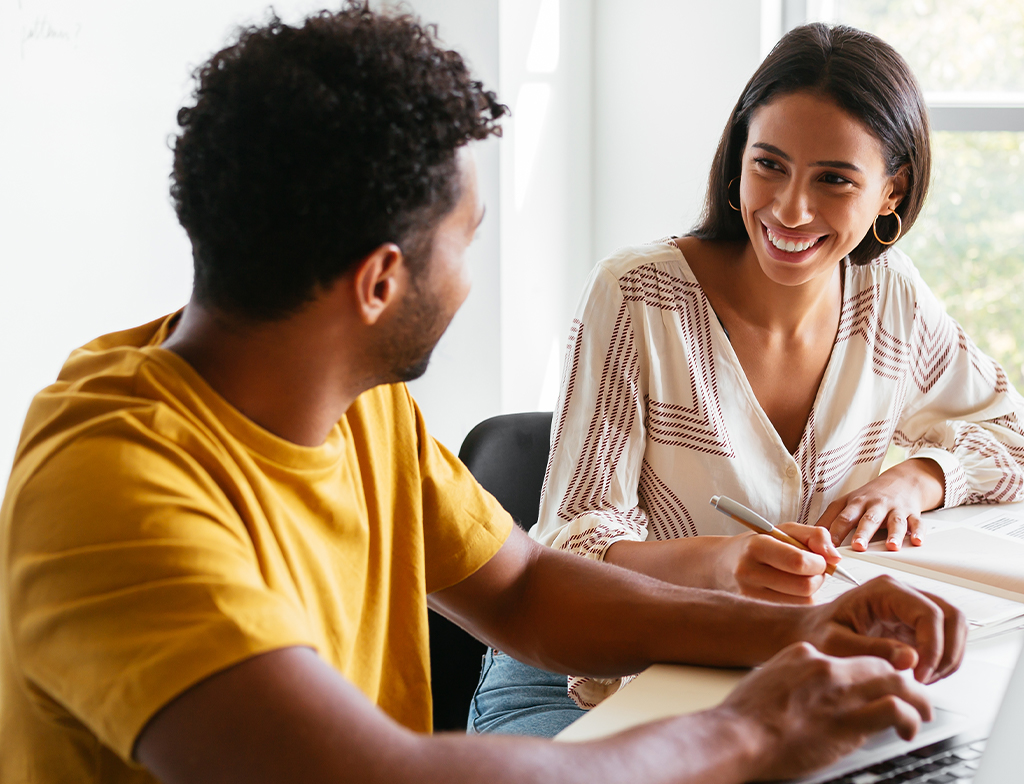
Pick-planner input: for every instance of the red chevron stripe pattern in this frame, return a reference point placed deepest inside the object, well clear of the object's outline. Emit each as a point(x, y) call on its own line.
point(700, 426)
point(957, 487)
point(610, 525)
point(1013, 424)
point(986, 367)
point(616, 409)
point(933, 347)
point(1010, 485)
point(667, 517)
point(578, 686)
point(861, 316)
point(570, 369)
point(821, 473)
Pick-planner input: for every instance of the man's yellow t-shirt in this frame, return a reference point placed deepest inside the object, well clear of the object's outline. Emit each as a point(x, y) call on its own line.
point(153, 536)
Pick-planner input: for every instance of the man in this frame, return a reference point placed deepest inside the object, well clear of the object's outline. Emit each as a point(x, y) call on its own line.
point(222, 528)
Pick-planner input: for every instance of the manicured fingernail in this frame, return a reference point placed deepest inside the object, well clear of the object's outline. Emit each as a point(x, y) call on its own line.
point(858, 542)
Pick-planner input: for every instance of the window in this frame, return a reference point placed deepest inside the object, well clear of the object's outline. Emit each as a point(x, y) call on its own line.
point(969, 242)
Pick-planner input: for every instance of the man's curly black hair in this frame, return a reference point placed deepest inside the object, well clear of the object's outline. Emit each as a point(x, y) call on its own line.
point(310, 146)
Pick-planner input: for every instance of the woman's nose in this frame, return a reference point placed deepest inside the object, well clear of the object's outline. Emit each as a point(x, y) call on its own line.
point(793, 206)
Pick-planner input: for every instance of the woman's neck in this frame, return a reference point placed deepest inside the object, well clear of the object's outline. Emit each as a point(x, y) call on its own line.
point(737, 288)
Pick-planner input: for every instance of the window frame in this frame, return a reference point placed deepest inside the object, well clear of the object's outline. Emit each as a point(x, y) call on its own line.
point(961, 111)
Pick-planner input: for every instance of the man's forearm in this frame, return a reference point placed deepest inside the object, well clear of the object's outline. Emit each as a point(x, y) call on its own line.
point(287, 716)
point(568, 614)
point(703, 748)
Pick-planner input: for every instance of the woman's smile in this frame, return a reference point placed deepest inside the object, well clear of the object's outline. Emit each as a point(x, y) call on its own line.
point(790, 246)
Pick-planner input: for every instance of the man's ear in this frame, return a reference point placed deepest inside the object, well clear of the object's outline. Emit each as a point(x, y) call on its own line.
point(898, 188)
point(378, 279)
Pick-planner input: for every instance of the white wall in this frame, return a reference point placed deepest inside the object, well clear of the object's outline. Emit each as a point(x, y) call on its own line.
point(666, 76)
point(546, 190)
point(637, 92)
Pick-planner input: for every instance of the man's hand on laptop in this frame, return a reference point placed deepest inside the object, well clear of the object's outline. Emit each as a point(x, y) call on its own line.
point(803, 710)
point(885, 618)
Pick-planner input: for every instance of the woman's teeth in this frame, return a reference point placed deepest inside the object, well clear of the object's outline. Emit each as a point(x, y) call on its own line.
point(788, 245)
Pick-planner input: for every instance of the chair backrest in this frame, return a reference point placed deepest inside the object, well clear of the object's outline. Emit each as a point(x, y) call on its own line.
point(508, 455)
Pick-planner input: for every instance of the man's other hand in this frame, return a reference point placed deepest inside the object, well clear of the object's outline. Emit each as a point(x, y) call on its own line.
point(885, 618)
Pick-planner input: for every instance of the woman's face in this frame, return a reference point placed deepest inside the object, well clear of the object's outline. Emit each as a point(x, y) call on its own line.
point(813, 179)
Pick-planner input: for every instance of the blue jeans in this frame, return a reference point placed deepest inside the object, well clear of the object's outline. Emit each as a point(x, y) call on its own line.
point(513, 698)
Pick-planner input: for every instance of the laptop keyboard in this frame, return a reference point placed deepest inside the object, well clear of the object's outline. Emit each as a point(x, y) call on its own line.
point(939, 763)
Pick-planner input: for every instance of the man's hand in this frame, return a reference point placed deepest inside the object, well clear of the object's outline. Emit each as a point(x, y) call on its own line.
point(803, 710)
point(896, 497)
point(884, 618)
point(765, 568)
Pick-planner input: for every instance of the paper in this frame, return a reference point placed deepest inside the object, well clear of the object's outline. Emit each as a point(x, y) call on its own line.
point(984, 552)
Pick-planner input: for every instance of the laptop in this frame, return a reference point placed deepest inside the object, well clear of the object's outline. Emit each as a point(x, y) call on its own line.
point(969, 756)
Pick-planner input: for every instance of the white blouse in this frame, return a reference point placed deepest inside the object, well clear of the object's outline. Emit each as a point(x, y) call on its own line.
point(655, 413)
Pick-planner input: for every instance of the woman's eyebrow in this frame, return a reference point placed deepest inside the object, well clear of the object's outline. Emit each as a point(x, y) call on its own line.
point(830, 164)
point(772, 149)
point(838, 165)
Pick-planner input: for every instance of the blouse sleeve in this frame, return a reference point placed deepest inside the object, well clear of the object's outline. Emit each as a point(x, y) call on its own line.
point(590, 497)
point(961, 410)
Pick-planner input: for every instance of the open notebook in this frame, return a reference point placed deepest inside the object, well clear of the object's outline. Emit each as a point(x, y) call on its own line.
point(976, 563)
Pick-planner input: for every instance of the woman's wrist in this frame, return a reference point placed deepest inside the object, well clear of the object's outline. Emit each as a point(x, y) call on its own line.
point(929, 481)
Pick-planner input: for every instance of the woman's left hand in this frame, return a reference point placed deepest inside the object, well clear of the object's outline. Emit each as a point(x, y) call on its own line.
point(896, 497)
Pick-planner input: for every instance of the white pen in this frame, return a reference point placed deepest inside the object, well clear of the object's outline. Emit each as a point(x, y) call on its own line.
point(758, 524)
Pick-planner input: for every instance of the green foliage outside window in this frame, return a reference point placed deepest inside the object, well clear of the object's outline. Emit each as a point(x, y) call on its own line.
point(969, 242)
point(951, 45)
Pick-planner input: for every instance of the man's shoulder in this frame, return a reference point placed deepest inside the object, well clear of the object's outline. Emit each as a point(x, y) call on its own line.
point(117, 409)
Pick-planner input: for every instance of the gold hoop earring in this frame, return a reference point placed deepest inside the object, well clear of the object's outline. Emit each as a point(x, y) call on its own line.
point(729, 188)
point(899, 228)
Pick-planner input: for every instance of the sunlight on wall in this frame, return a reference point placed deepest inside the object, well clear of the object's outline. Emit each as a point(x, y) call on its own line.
point(543, 56)
point(530, 110)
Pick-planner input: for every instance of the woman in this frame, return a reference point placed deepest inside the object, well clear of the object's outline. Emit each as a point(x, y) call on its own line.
point(771, 355)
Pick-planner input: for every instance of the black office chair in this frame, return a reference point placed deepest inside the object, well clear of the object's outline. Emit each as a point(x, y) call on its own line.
point(508, 455)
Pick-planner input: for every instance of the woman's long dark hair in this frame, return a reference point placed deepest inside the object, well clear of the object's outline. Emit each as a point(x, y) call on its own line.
point(861, 74)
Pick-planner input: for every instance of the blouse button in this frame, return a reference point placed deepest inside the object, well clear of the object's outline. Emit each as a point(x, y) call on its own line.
point(791, 471)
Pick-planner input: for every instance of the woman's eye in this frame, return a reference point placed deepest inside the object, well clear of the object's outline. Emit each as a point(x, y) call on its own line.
point(834, 179)
point(767, 163)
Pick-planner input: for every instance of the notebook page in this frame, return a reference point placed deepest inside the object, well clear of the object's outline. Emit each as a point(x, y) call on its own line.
point(983, 610)
point(965, 555)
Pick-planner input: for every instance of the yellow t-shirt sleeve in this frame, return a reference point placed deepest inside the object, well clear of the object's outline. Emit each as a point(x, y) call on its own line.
point(463, 525)
point(130, 579)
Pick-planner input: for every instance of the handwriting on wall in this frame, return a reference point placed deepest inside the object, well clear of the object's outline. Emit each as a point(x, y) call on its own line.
point(47, 22)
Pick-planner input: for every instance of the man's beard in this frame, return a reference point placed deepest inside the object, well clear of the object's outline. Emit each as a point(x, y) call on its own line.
point(417, 329)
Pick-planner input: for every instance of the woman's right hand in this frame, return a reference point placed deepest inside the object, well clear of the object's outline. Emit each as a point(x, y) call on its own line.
point(761, 567)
